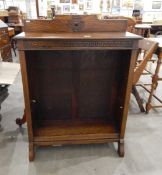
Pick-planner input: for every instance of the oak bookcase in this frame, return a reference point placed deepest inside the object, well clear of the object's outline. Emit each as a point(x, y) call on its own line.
point(77, 79)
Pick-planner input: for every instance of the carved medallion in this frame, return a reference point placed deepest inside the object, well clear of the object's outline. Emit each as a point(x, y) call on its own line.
point(76, 24)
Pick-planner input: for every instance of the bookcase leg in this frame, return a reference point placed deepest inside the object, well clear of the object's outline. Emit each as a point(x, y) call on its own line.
point(31, 151)
point(121, 148)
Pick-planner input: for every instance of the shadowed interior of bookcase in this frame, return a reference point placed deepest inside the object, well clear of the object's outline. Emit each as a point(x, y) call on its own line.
point(77, 92)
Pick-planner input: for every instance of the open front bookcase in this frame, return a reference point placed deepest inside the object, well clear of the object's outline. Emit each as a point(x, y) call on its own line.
point(77, 74)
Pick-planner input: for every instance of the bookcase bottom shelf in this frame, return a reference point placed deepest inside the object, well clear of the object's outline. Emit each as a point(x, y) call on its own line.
point(74, 132)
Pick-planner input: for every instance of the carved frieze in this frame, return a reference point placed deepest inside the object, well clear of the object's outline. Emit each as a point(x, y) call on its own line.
point(74, 44)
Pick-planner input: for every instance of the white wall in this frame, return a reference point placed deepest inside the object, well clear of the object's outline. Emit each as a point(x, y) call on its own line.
point(31, 9)
point(95, 6)
point(42, 7)
point(149, 14)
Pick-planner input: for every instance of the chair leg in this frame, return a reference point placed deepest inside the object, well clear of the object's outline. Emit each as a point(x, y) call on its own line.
point(13, 45)
point(21, 121)
point(0, 119)
point(139, 101)
point(154, 84)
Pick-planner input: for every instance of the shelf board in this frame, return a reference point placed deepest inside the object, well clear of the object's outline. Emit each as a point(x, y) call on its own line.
point(64, 132)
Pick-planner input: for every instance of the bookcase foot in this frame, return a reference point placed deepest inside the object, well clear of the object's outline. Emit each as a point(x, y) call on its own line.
point(31, 151)
point(121, 148)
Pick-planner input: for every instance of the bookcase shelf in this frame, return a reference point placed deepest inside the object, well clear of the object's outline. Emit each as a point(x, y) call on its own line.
point(63, 132)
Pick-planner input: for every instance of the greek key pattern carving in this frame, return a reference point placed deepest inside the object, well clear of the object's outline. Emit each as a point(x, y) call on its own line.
point(54, 44)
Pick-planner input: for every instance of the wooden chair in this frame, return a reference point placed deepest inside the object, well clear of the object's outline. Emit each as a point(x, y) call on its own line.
point(146, 50)
point(131, 24)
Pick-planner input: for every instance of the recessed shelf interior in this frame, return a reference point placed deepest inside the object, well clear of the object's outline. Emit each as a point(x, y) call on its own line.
point(77, 92)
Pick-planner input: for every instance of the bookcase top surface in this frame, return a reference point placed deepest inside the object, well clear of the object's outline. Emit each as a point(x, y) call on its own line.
point(78, 35)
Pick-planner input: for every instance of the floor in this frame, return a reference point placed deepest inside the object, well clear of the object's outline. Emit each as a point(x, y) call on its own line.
point(143, 140)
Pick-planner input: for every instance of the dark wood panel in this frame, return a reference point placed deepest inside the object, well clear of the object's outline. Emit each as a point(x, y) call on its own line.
point(81, 84)
point(120, 90)
point(51, 84)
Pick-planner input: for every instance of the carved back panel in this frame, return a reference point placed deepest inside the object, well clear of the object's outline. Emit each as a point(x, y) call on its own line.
point(76, 23)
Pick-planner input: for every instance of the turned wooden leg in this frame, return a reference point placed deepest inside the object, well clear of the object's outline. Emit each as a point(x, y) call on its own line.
point(13, 46)
point(138, 99)
point(148, 107)
point(31, 151)
point(153, 87)
point(154, 83)
point(21, 121)
point(121, 148)
point(0, 122)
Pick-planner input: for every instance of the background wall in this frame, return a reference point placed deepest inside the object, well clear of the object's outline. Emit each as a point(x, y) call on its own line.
point(150, 9)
